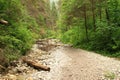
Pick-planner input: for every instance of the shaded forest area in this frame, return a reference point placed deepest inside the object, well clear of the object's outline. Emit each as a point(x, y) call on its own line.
point(92, 25)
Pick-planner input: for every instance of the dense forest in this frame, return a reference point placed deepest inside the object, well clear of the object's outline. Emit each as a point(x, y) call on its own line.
point(89, 24)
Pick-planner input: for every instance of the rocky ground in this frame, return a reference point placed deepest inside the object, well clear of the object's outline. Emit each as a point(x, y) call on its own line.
point(66, 63)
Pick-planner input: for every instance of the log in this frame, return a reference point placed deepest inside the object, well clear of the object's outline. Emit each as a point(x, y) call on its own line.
point(3, 22)
point(36, 65)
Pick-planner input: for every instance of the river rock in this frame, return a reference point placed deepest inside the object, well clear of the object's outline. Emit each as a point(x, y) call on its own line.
point(12, 77)
point(30, 78)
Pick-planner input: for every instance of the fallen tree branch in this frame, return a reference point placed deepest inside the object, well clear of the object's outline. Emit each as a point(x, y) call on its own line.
point(3, 22)
point(36, 65)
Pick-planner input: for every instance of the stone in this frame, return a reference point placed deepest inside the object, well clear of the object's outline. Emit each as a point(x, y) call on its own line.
point(12, 77)
point(29, 78)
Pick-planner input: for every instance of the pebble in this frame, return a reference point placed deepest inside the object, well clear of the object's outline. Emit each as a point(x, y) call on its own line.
point(30, 78)
point(12, 77)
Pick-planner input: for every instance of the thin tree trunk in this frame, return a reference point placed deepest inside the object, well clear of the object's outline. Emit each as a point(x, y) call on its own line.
point(85, 18)
point(107, 16)
point(100, 13)
point(93, 14)
point(100, 9)
point(107, 13)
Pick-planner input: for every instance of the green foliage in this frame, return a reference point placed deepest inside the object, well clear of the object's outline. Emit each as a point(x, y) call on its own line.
point(41, 19)
point(25, 36)
point(18, 36)
point(114, 10)
point(73, 36)
point(102, 39)
point(102, 25)
point(51, 34)
point(109, 75)
point(11, 54)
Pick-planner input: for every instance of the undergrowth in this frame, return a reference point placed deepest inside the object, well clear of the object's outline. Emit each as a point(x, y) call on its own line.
point(17, 37)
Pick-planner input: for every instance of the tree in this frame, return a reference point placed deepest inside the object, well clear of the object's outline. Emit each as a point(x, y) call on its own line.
point(85, 20)
point(93, 13)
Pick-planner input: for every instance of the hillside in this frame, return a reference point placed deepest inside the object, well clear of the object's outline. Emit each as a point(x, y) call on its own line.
point(39, 9)
point(27, 21)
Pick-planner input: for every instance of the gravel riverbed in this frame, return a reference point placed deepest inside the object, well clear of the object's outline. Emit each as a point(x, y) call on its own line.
point(66, 63)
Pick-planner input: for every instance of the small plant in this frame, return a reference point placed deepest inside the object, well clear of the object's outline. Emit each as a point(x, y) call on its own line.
point(109, 75)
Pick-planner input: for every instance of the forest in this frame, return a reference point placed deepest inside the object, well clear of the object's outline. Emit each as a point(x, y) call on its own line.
point(91, 24)
point(88, 24)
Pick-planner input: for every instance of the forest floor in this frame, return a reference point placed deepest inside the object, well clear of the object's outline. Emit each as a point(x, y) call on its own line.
point(66, 63)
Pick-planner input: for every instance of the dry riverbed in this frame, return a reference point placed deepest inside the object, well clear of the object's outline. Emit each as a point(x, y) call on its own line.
point(66, 63)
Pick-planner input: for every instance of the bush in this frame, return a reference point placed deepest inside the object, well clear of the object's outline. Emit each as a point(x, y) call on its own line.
point(74, 36)
point(105, 38)
point(18, 36)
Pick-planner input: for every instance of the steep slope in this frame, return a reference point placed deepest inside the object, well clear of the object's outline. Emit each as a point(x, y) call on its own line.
point(25, 20)
point(38, 9)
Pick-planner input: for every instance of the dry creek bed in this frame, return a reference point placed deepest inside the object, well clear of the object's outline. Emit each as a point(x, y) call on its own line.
point(66, 63)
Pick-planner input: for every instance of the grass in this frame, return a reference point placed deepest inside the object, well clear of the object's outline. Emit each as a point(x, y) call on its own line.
point(109, 75)
point(101, 52)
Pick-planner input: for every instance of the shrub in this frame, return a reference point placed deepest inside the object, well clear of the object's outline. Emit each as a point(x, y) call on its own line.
point(105, 38)
point(18, 36)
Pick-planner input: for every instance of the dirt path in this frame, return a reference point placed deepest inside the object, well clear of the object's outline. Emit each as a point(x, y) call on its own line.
point(84, 65)
point(67, 63)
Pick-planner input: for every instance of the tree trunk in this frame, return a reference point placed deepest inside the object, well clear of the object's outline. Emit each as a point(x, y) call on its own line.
point(100, 10)
point(100, 13)
point(107, 13)
point(36, 65)
point(93, 14)
point(107, 16)
point(85, 19)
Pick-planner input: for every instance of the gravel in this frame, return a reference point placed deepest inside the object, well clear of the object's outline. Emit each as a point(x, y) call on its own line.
point(66, 63)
